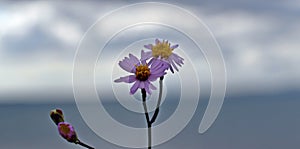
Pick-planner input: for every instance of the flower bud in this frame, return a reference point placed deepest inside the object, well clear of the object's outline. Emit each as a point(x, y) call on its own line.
point(57, 116)
point(67, 131)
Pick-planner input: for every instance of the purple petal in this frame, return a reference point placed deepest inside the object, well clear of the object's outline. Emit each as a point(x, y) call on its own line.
point(150, 62)
point(157, 41)
point(153, 77)
point(134, 87)
point(128, 64)
point(146, 55)
point(158, 67)
point(155, 63)
point(152, 86)
point(174, 46)
point(158, 64)
point(127, 79)
point(133, 59)
point(149, 46)
point(160, 74)
point(171, 69)
point(147, 87)
point(177, 57)
point(173, 64)
point(142, 84)
point(159, 70)
point(177, 60)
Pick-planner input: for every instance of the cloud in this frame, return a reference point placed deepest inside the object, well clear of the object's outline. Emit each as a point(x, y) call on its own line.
point(37, 48)
point(260, 50)
point(67, 32)
point(16, 20)
point(39, 39)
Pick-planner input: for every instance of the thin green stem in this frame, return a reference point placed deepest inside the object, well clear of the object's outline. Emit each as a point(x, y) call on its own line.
point(158, 101)
point(84, 145)
point(149, 136)
point(144, 95)
point(154, 117)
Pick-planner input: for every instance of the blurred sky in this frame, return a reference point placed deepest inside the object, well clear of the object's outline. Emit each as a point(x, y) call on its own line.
point(38, 40)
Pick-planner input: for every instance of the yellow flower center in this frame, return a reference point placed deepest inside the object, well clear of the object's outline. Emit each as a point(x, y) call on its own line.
point(142, 72)
point(162, 49)
point(65, 129)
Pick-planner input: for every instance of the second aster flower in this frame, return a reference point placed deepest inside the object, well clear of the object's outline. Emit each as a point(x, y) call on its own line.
point(143, 74)
point(163, 50)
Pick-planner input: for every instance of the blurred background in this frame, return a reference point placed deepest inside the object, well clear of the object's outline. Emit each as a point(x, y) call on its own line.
point(260, 45)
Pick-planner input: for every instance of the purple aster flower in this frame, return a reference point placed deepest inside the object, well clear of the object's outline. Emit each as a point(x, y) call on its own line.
point(67, 131)
point(142, 75)
point(163, 50)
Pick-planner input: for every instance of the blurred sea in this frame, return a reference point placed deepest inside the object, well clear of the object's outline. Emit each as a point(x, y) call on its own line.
point(244, 123)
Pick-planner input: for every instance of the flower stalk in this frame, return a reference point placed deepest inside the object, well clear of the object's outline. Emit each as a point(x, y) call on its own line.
point(154, 117)
point(152, 65)
point(83, 144)
point(149, 124)
point(65, 129)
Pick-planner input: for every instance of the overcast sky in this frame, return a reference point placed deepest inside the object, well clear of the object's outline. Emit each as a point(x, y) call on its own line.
point(259, 41)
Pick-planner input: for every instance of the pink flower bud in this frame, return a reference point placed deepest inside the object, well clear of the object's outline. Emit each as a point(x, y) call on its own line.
point(67, 131)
